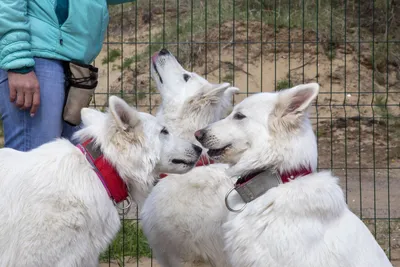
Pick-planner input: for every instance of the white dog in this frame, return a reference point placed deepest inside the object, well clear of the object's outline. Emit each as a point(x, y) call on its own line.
point(183, 215)
point(293, 216)
point(57, 201)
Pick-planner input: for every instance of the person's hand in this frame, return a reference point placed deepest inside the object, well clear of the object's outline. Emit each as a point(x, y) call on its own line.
point(24, 90)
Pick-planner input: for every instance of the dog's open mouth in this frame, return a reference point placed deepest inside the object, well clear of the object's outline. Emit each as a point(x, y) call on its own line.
point(218, 152)
point(156, 71)
point(184, 162)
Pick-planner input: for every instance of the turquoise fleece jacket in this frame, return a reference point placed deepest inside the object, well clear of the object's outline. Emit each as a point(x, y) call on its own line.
point(33, 28)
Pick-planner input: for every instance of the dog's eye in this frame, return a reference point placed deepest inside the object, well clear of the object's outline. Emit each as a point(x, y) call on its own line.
point(164, 131)
point(239, 116)
point(186, 77)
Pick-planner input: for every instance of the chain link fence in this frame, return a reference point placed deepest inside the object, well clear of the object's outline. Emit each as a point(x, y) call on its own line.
point(350, 47)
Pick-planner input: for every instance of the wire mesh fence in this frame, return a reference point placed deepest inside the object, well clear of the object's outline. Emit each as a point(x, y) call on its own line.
point(350, 47)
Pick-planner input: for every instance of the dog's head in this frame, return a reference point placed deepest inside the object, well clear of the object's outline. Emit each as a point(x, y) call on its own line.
point(136, 143)
point(266, 130)
point(189, 102)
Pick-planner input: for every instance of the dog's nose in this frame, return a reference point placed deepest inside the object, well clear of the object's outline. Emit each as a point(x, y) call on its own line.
point(163, 51)
point(197, 149)
point(199, 135)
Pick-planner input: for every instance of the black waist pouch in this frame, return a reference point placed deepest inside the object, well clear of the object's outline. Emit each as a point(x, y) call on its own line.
point(81, 82)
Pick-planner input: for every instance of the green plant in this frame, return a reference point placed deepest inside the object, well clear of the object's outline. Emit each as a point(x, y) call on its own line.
point(331, 51)
point(380, 105)
point(283, 84)
point(228, 78)
point(141, 95)
point(129, 242)
point(128, 62)
point(112, 56)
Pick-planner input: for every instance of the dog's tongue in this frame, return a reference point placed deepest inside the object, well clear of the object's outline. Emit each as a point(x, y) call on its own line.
point(154, 57)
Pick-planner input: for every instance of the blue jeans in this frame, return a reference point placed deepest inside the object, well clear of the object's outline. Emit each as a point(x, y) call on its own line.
point(23, 132)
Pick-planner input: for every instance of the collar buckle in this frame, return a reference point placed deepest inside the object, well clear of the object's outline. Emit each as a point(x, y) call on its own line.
point(253, 188)
point(227, 203)
point(123, 211)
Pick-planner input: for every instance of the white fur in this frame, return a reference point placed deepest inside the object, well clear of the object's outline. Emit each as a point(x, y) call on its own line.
point(183, 215)
point(303, 223)
point(54, 210)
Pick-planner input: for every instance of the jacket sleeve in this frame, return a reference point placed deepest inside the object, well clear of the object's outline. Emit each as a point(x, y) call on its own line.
point(15, 47)
point(115, 2)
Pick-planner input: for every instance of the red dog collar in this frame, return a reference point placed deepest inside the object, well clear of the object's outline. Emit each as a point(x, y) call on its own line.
point(113, 183)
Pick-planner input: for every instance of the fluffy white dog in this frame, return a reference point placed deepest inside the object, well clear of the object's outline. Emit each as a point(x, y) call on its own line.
point(57, 201)
point(183, 215)
point(286, 214)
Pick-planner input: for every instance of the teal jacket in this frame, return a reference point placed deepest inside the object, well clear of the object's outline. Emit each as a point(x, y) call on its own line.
point(31, 28)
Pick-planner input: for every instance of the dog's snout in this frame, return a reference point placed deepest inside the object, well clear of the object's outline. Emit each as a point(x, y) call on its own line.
point(197, 149)
point(200, 135)
point(163, 52)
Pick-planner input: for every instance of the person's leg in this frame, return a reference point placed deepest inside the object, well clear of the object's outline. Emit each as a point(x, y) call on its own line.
point(21, 131)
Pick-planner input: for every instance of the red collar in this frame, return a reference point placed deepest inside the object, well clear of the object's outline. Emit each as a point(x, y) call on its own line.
point(203, 161)
point(284, 176)
point(291, 175)
point(113, 183)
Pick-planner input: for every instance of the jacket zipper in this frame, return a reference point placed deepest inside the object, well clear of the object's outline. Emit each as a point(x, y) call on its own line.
point(60, 38)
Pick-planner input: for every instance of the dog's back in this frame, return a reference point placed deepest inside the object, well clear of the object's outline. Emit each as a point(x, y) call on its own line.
point(46, 200)
point(186, 215)
point(305, 223)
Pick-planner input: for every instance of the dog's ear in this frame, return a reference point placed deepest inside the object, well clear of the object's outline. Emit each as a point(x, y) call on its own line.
point(124, 115)
point(226, 102)
point(220, 92)
point(298, 99)
point(217, 90)
point(293, 103)
point(230, 91)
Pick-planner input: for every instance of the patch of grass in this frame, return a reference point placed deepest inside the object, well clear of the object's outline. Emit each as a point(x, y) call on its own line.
point(228, 78)
point(112, 56)
point(380, 105)
point(127, 64)
point(141, 95)
point(331, 52)
point(383, 54)
point(321, 132)
point(385, 114)
point(283, 84)
point(130, 242)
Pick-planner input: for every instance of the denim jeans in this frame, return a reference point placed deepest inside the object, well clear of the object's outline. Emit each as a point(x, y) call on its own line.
point(23, 132)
